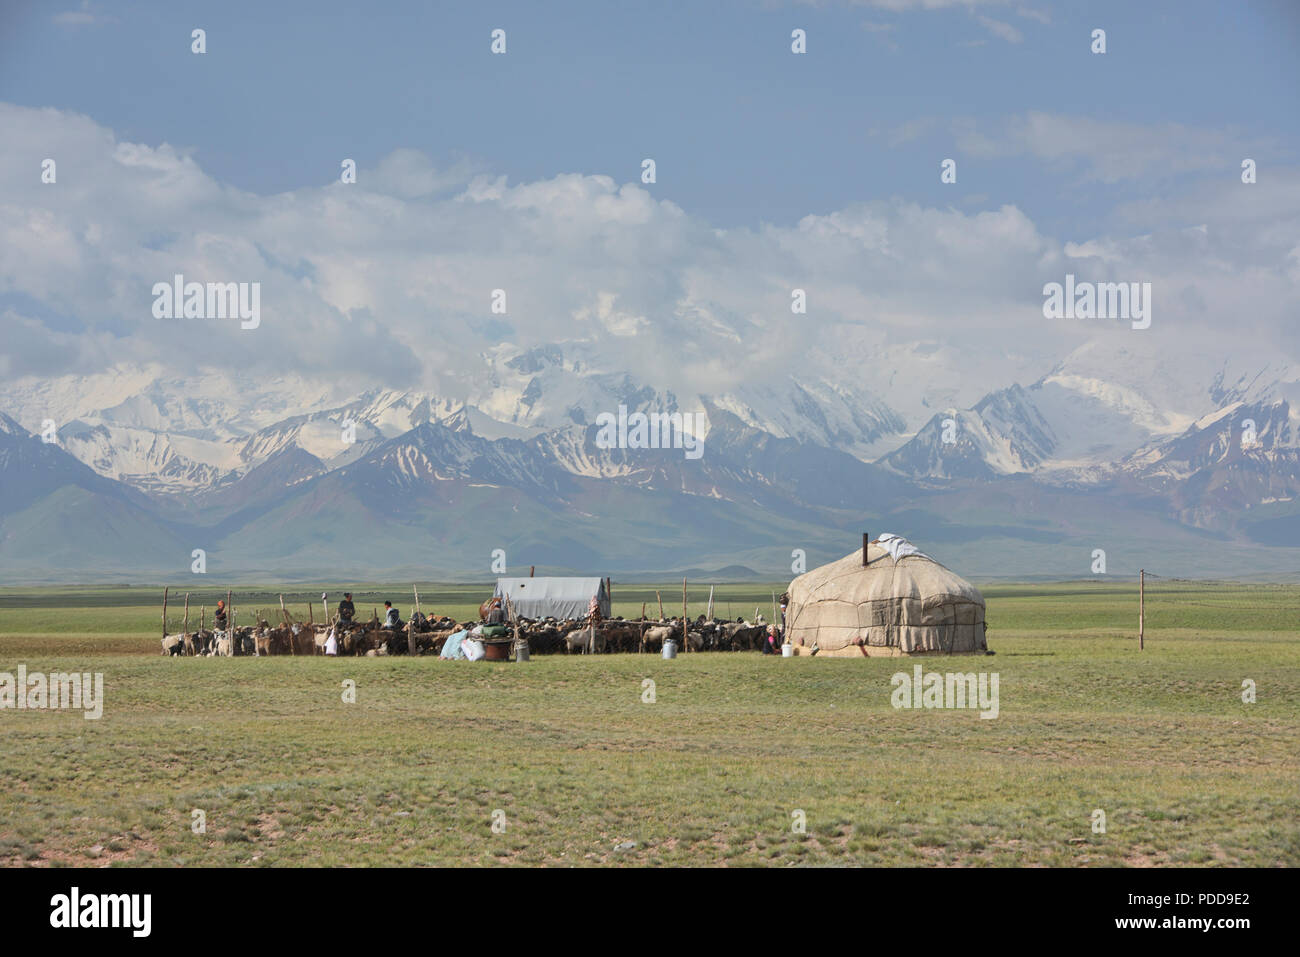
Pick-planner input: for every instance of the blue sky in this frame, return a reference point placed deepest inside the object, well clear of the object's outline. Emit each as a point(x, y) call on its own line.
point(742, 130)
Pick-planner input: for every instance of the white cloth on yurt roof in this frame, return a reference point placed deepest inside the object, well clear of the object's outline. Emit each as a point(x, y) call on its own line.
point(898, 547)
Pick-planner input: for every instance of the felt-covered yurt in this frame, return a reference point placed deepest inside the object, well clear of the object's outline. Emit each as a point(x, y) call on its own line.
point(891, 600)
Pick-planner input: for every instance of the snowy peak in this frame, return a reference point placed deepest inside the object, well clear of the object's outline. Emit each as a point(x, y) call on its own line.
point(1238, 458)
point(433, 453)
point(9, 427)
point(544, 389)
point(1237, 435)
point(818, 411)
point(1276, 380)
point(150, 461)
point(547, 389)
point(392, 412)
point(348, 432)
point(1098, 407)
point(1013, 422)
point(574, 449)
point(1003, 434)
point(31, 469)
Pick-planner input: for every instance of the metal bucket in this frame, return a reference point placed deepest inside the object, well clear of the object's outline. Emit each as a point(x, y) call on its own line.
point(787, 650)
point(670, 648)
point(521, 651)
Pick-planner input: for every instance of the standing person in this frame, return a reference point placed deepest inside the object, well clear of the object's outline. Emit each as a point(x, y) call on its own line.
point(346, 609)
point(219, 619)
point(595, 620)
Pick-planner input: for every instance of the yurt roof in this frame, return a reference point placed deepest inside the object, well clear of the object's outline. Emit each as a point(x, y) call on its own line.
point(884, 577)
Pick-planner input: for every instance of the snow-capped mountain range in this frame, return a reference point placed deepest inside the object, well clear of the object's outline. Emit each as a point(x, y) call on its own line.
point(171, 434)
point(1210, 448)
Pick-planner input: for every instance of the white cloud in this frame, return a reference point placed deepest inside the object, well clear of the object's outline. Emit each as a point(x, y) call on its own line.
point(910, 130)
point(84, 16)
point(389, 281)
point(884, 32)
point(1029, 13)
point(902, 6)
point(1000, 29)
point(1109, 151)
point(410, 174)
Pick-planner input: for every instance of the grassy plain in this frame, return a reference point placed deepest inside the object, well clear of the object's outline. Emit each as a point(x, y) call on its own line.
point(584, 770)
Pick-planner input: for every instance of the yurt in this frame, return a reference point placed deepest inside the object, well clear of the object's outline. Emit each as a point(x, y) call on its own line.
point(887, 599)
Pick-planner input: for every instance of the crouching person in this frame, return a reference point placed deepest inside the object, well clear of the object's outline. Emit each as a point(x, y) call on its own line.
point(392, 617)
point(772, 641)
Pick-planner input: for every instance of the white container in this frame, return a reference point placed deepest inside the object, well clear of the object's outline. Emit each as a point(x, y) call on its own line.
point(787, 650)
point(670, 648)
point(521, 651)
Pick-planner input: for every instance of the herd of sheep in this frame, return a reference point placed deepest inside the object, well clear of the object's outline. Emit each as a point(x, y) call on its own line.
point(426, 636)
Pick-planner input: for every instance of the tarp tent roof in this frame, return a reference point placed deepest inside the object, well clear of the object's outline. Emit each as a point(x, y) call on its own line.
point(904, 605)
point(554, 597)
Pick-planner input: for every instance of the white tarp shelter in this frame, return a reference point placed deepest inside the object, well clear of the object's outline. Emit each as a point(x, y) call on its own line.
point(554, 597)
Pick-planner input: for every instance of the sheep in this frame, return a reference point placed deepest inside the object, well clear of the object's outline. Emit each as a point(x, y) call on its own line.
point(585, 641)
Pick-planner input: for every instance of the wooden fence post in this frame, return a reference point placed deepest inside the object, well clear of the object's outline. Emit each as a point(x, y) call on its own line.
point(288, 623)
point(1142, 608)
point(685, 627)
point(514, 620)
